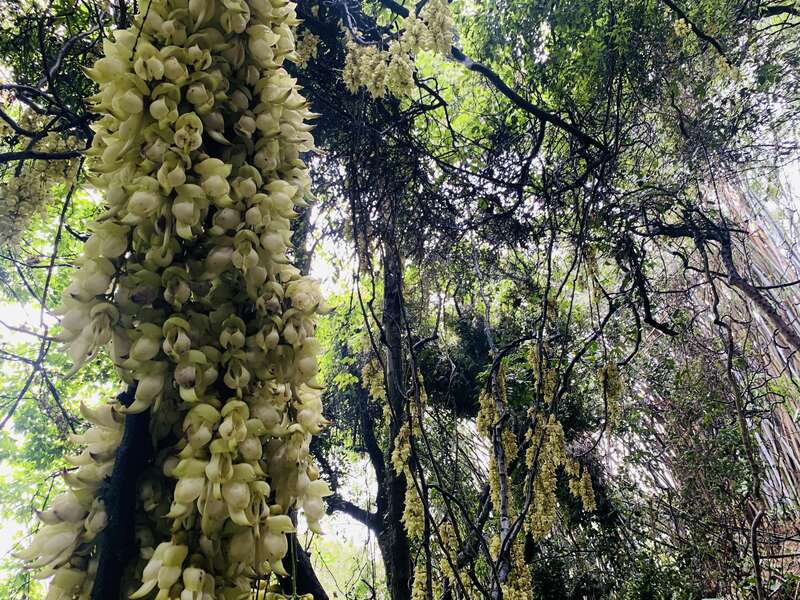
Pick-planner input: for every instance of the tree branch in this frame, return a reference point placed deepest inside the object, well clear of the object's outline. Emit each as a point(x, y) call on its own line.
point(371, 520)
point(36, 155)
point(778, 11)
point(56, 67)
point(736, 280)
point(521, 102)
point(695, 29)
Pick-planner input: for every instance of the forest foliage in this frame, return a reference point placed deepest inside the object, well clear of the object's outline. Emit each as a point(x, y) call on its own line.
point(558, 248)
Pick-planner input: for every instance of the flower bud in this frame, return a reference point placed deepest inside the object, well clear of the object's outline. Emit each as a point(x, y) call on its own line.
point(142, 204)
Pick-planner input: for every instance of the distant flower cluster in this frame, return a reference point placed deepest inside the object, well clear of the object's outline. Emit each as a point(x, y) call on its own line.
point(380, 71)
point(28, 192)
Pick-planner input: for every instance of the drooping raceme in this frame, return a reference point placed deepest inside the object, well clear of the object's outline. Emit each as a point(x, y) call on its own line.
point(187, 279)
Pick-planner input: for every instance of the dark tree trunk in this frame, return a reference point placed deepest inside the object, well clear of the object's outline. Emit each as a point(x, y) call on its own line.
point(392, 538)
point(117, 545)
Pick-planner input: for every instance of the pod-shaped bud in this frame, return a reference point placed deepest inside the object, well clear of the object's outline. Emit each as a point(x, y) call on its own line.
point(148, 344)
point(100, 442)
point(52, 545)
point(193, 580)
point(219, 469)
point(171, 175)
point(108, 239)
point(227, 219)
point(274, 542)
point(251, 449)
point(148, 388)
point(162, 570)
point(219, 259)
point(232, 335)
point(65, 507)
point(176, 337)
point(237, 496)
point(103, 415)
point(142, 203)
point(127, 103)
point(66, 583)
point(237, 376)
point(95, 521)
point(233, 428)
point(201, 11)
point(313, 505)
point(187, 490)
point(242, 547)
point(92, 279)
point(188, 132)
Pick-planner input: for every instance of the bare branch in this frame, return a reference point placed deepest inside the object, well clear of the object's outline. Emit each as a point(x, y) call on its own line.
point(36, 155)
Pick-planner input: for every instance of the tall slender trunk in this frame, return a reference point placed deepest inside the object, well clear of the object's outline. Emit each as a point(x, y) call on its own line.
point(392, 538)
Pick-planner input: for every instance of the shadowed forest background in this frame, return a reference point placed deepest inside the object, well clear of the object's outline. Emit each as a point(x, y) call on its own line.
point(559, 244)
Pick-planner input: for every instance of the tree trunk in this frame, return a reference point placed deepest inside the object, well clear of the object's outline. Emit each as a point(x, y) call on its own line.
point(392, 538)
point(117, 545)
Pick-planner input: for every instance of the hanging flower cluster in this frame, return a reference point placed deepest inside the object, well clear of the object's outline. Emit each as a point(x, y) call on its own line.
point(419, 586)
point(540, 519)
point(62, 546)
point(543, 373)
point(30, 189)
point(307, 49)
point(486, 424)
point(413, 518)
point(413, 513)
point(392, 70)
point(580, 485)
point(438, 20)
point(451, 546)
point(552, 455)
point(518, 586)
point(187, 278)
point(372, 381)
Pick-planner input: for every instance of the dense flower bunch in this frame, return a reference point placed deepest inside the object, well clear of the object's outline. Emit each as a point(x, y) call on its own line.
point(580, 485)
point(451, 545)
point(552, 455)
point(187, 278)
point(30, 188)
point(73, 520)
point(307, 49)
point(543, 373)
point(392, 70)
point(413, 518)
point(419, 587)
point(438, 21)
point(372, 380)
point(519, 586)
